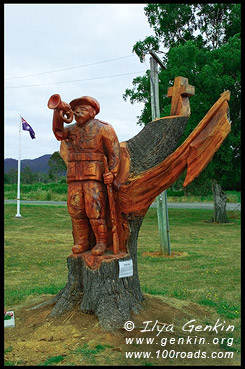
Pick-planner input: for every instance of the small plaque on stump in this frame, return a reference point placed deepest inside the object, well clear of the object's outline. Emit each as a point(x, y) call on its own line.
point(9, 320)
point(125, 268)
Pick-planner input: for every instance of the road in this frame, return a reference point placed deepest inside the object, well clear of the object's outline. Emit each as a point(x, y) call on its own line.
point(201, 205)
point(177, 205)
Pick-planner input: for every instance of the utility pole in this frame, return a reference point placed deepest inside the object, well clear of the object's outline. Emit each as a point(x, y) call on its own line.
point(162, 206)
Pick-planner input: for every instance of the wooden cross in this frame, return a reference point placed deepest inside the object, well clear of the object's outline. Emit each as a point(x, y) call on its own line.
point(180, 93)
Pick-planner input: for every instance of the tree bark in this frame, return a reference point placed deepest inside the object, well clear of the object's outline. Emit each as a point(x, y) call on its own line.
point(220, 198)
point(99, 290)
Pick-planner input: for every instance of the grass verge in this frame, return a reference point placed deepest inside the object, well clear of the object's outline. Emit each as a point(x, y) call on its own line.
point(204, 267)
point(58, 192)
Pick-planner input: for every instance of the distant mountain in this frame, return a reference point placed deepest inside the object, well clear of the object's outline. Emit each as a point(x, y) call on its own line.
point(37, 165)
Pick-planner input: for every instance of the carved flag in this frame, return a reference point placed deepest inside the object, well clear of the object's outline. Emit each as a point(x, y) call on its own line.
point(26, 127)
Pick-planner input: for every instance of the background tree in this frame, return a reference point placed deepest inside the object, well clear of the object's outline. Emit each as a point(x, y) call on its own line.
point(6, 178)
point(203, 43)
point(208, 24)
point(57, 166)
point(11, 176)
point(27, 176)
point(42, 177)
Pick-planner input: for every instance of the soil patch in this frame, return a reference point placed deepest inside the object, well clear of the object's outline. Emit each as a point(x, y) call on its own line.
point(173, 254)
point(77, 339)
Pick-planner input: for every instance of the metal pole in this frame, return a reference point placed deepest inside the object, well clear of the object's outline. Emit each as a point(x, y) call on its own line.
point(162, 207)
point(18, 215)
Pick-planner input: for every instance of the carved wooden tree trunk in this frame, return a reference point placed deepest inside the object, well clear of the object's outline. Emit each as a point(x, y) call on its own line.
point(148, 166)
point(220, 198)
point(93, 284)
point(100, 290)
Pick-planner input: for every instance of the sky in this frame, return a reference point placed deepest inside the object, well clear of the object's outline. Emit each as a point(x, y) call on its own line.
point(71, 50)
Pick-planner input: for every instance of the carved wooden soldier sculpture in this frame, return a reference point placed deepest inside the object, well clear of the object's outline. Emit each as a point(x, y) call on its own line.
point(144, 166)
point(91, 144)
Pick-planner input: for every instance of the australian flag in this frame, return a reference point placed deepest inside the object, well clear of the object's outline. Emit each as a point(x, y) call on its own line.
point(26, 127)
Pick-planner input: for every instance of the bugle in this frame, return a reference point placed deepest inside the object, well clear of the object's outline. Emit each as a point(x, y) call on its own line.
point(64, 109)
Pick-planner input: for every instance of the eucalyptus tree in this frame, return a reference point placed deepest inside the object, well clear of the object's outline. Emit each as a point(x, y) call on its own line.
point(201, 42)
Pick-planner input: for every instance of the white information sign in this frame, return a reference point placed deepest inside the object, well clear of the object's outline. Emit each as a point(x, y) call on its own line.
point(9, 322)
point(125, 268)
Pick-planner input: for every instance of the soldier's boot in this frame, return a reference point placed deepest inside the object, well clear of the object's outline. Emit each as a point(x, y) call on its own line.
point(101, 234)
point(81, 231)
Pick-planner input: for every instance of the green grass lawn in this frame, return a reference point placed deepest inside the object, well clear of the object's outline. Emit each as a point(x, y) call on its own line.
point(204, 267)
point(208, 272)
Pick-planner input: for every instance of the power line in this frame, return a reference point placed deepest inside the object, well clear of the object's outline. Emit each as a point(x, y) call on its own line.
point(79, 66)
point(77, 80)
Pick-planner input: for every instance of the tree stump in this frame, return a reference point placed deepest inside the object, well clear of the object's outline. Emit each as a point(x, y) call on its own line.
point(98, 289)
point(220, 198)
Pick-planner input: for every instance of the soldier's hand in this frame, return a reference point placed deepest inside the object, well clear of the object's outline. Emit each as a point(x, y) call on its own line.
point(108, 178)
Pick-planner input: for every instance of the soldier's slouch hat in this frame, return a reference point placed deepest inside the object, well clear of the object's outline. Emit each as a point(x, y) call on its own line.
point(86, 100)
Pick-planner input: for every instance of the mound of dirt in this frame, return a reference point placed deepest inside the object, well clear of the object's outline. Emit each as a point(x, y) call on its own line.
point(77, 339)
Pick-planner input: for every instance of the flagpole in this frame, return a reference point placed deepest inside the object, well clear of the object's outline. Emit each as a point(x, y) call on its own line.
point(18, 215)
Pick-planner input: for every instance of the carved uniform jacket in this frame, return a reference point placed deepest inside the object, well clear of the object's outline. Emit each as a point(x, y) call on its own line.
point(87, 147)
